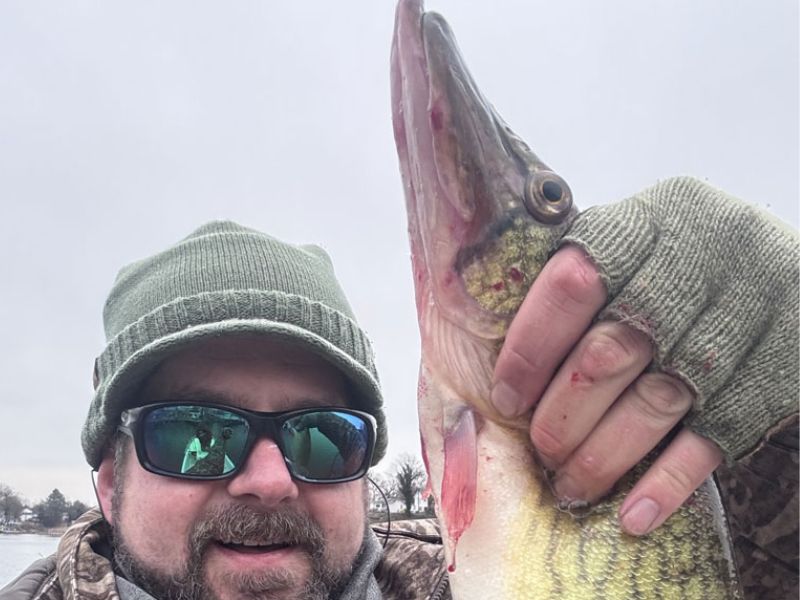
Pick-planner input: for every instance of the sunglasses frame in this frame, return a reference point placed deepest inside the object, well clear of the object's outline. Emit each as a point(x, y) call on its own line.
point(261, 424)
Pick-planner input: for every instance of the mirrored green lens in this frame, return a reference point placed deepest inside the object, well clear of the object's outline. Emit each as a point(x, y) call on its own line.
point(194, 440)
point(325, 445)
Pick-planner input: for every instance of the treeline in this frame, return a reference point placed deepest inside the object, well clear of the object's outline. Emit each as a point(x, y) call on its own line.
point(53, 511)
point(402, 484)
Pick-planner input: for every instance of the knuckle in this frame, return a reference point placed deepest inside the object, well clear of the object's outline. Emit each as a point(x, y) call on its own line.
point(612, 348)
point(518, 359)
point(661, 397)
point(587, 466)
point(575, 281)
point(548, 443)
point(675, 481)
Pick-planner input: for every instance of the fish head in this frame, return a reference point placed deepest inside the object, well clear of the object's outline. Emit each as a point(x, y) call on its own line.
point(484, 211)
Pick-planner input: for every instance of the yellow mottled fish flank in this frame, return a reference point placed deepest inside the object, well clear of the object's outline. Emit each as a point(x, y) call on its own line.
point(552, 554)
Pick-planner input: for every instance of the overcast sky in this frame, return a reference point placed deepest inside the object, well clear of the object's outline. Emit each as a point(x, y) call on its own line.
point(123, 126)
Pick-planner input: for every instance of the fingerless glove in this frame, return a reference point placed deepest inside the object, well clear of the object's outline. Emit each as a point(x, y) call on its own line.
point(714, 283)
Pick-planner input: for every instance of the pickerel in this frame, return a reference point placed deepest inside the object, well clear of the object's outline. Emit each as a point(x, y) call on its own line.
point(483, 214)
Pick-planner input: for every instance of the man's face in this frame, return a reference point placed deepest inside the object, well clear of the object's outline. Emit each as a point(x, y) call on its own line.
point(174, 534)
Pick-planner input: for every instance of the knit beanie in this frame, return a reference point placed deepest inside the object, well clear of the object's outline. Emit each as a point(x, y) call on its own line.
point(225, 279)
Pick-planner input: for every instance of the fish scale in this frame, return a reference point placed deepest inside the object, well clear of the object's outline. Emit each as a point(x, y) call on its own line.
point(484, 213)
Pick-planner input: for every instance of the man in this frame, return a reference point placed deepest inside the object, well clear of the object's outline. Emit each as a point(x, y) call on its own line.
point(229, 338)
point(252, 340)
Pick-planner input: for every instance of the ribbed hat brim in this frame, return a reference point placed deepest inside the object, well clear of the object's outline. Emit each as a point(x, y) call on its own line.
point(118, 392)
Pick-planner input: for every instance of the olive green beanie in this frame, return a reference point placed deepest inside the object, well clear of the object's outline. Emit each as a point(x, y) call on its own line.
point(224, 279)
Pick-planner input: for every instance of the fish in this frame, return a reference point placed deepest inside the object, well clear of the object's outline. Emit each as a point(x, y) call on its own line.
point(484, 213)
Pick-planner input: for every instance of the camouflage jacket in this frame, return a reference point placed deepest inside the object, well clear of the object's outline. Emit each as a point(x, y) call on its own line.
point(77, 571)
point(760, 493)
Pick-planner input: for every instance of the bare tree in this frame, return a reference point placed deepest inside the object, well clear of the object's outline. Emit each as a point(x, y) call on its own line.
point(409, 479)
point(380, 492)
point(11, 504)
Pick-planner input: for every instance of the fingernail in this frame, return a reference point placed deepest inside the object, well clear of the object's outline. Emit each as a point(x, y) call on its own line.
point(639, 518)
point(506, 400)
point(567, 489)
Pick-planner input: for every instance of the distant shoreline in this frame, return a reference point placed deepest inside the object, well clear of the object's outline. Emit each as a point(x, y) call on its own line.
point(46, 532)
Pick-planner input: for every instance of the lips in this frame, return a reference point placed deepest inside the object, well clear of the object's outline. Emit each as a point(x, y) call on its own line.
point(250, 557)
point(253, 547)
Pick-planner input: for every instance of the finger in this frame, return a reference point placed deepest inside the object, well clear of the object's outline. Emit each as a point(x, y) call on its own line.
point(678, 472)
point(609, 357)
point(642, 417)
point(557, 310)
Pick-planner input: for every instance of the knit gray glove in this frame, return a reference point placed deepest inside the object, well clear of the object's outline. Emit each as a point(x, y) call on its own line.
point(714, 283)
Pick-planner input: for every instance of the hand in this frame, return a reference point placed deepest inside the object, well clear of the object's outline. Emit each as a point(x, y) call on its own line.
point(590, 393)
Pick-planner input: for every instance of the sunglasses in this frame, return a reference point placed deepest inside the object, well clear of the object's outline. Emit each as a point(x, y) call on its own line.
point(212, 441)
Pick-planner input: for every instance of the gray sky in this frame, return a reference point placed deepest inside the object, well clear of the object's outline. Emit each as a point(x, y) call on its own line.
point(123, 126)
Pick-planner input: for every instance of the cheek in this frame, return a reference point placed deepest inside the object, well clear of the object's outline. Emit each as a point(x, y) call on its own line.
point(155, 515)
point(340, 511)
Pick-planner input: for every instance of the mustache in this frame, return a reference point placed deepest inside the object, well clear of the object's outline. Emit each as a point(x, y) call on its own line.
point(242, 524)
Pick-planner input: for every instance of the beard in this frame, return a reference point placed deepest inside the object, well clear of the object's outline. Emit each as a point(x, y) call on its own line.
point(240, 523)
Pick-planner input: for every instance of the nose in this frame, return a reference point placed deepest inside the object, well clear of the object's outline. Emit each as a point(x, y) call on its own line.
point(264, 476)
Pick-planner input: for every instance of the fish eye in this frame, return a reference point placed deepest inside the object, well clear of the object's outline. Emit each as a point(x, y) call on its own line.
point(547, 197)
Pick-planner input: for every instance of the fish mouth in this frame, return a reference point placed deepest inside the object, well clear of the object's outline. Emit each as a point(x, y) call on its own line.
point(467, 176)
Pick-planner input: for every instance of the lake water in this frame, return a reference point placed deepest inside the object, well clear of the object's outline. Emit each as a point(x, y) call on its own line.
point(20, 550)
